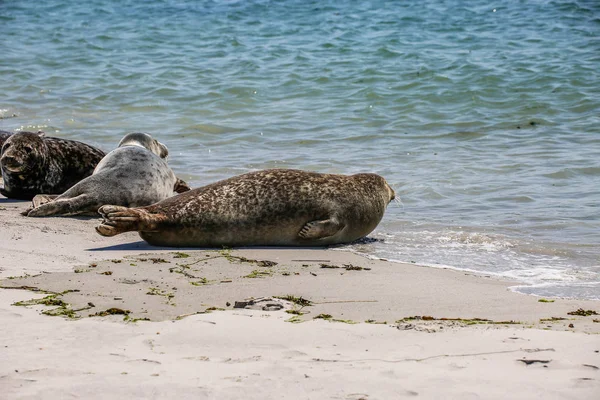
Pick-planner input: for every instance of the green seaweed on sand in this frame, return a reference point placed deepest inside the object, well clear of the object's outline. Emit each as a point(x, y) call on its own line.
point(201, 282)
point(258, 274)
point(350, 267)
point(111, 311)
point(545, 301)
point(466, 321)
point(154, 291)
point(183, 270)
point(157, 260)
point(61, 308)
point(372, 321)
point(552, 319)
point(211, 309)
point(301, 301)
point(179, 254)
point(583, 313)
point(295, 312)
point(329, 317)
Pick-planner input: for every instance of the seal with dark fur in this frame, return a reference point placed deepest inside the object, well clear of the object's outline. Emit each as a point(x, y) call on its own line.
point(278, 207)
point(135, 174)
point(32, 163)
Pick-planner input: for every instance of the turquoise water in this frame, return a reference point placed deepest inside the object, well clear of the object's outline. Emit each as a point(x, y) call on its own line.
point(485, 117)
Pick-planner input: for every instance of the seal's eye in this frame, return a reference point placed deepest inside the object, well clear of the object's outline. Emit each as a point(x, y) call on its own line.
point(28, 149)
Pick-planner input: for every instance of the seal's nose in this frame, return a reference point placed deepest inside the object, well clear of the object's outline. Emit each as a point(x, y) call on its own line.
point(10, 163)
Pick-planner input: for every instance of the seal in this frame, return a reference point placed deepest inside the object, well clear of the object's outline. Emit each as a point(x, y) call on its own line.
point(32, 163)
point(277, 207)
point(135, 174)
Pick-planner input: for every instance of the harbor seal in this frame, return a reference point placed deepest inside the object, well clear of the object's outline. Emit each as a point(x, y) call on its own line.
point(134, 174)
point(277, 207)
point(33, 163)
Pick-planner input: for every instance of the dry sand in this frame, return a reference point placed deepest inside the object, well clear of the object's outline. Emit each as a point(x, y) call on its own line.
point(126, 320)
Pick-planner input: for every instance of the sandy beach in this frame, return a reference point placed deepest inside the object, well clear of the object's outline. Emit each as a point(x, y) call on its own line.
point(92, 317)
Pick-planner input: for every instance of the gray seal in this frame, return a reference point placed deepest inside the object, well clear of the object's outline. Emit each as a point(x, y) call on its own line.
point(33, 163)
point(134, 174)
point(277, 207)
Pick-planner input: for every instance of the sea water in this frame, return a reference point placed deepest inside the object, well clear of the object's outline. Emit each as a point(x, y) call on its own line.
point(484, 116)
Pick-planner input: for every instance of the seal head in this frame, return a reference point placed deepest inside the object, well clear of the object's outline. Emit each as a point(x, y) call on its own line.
point(32, 163)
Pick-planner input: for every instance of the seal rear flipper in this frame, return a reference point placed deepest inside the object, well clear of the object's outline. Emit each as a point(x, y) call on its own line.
point(69, 206)
point(117, 219)
point(320, 229)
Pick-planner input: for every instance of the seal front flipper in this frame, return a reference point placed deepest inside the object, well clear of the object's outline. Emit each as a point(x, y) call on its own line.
point(38, 200)
point(320, 229)
point(71, 206)
point(181, 186)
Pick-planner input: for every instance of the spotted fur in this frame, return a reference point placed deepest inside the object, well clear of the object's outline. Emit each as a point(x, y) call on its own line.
point(32, 163)
point(270, 207)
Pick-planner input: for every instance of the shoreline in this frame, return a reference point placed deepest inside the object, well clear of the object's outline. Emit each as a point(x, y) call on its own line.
point(383, 329)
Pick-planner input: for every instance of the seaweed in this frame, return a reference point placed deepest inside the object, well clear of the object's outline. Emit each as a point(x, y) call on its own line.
point(258, 274)
point(583, 313)
point(301, 301)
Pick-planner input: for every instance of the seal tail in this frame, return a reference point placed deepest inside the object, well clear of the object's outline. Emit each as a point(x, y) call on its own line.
point(117, 219)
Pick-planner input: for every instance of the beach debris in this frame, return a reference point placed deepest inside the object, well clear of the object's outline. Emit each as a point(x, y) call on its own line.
point(111, 311)
point(296, 300)
point(583, 313)
point(178, 254)
point(264, 304)
point(159, 260)
point(545, 301)
point(258, 274)
point(529, 362)
point(347, 267)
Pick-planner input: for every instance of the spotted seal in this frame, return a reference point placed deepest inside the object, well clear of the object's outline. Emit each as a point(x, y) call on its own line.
point(277, 207)
point(33, 163)
point(135, 174)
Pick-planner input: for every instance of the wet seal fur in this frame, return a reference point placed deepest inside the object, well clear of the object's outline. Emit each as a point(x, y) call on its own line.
point(33, 163)
point(135, 174)
point(278, 207)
